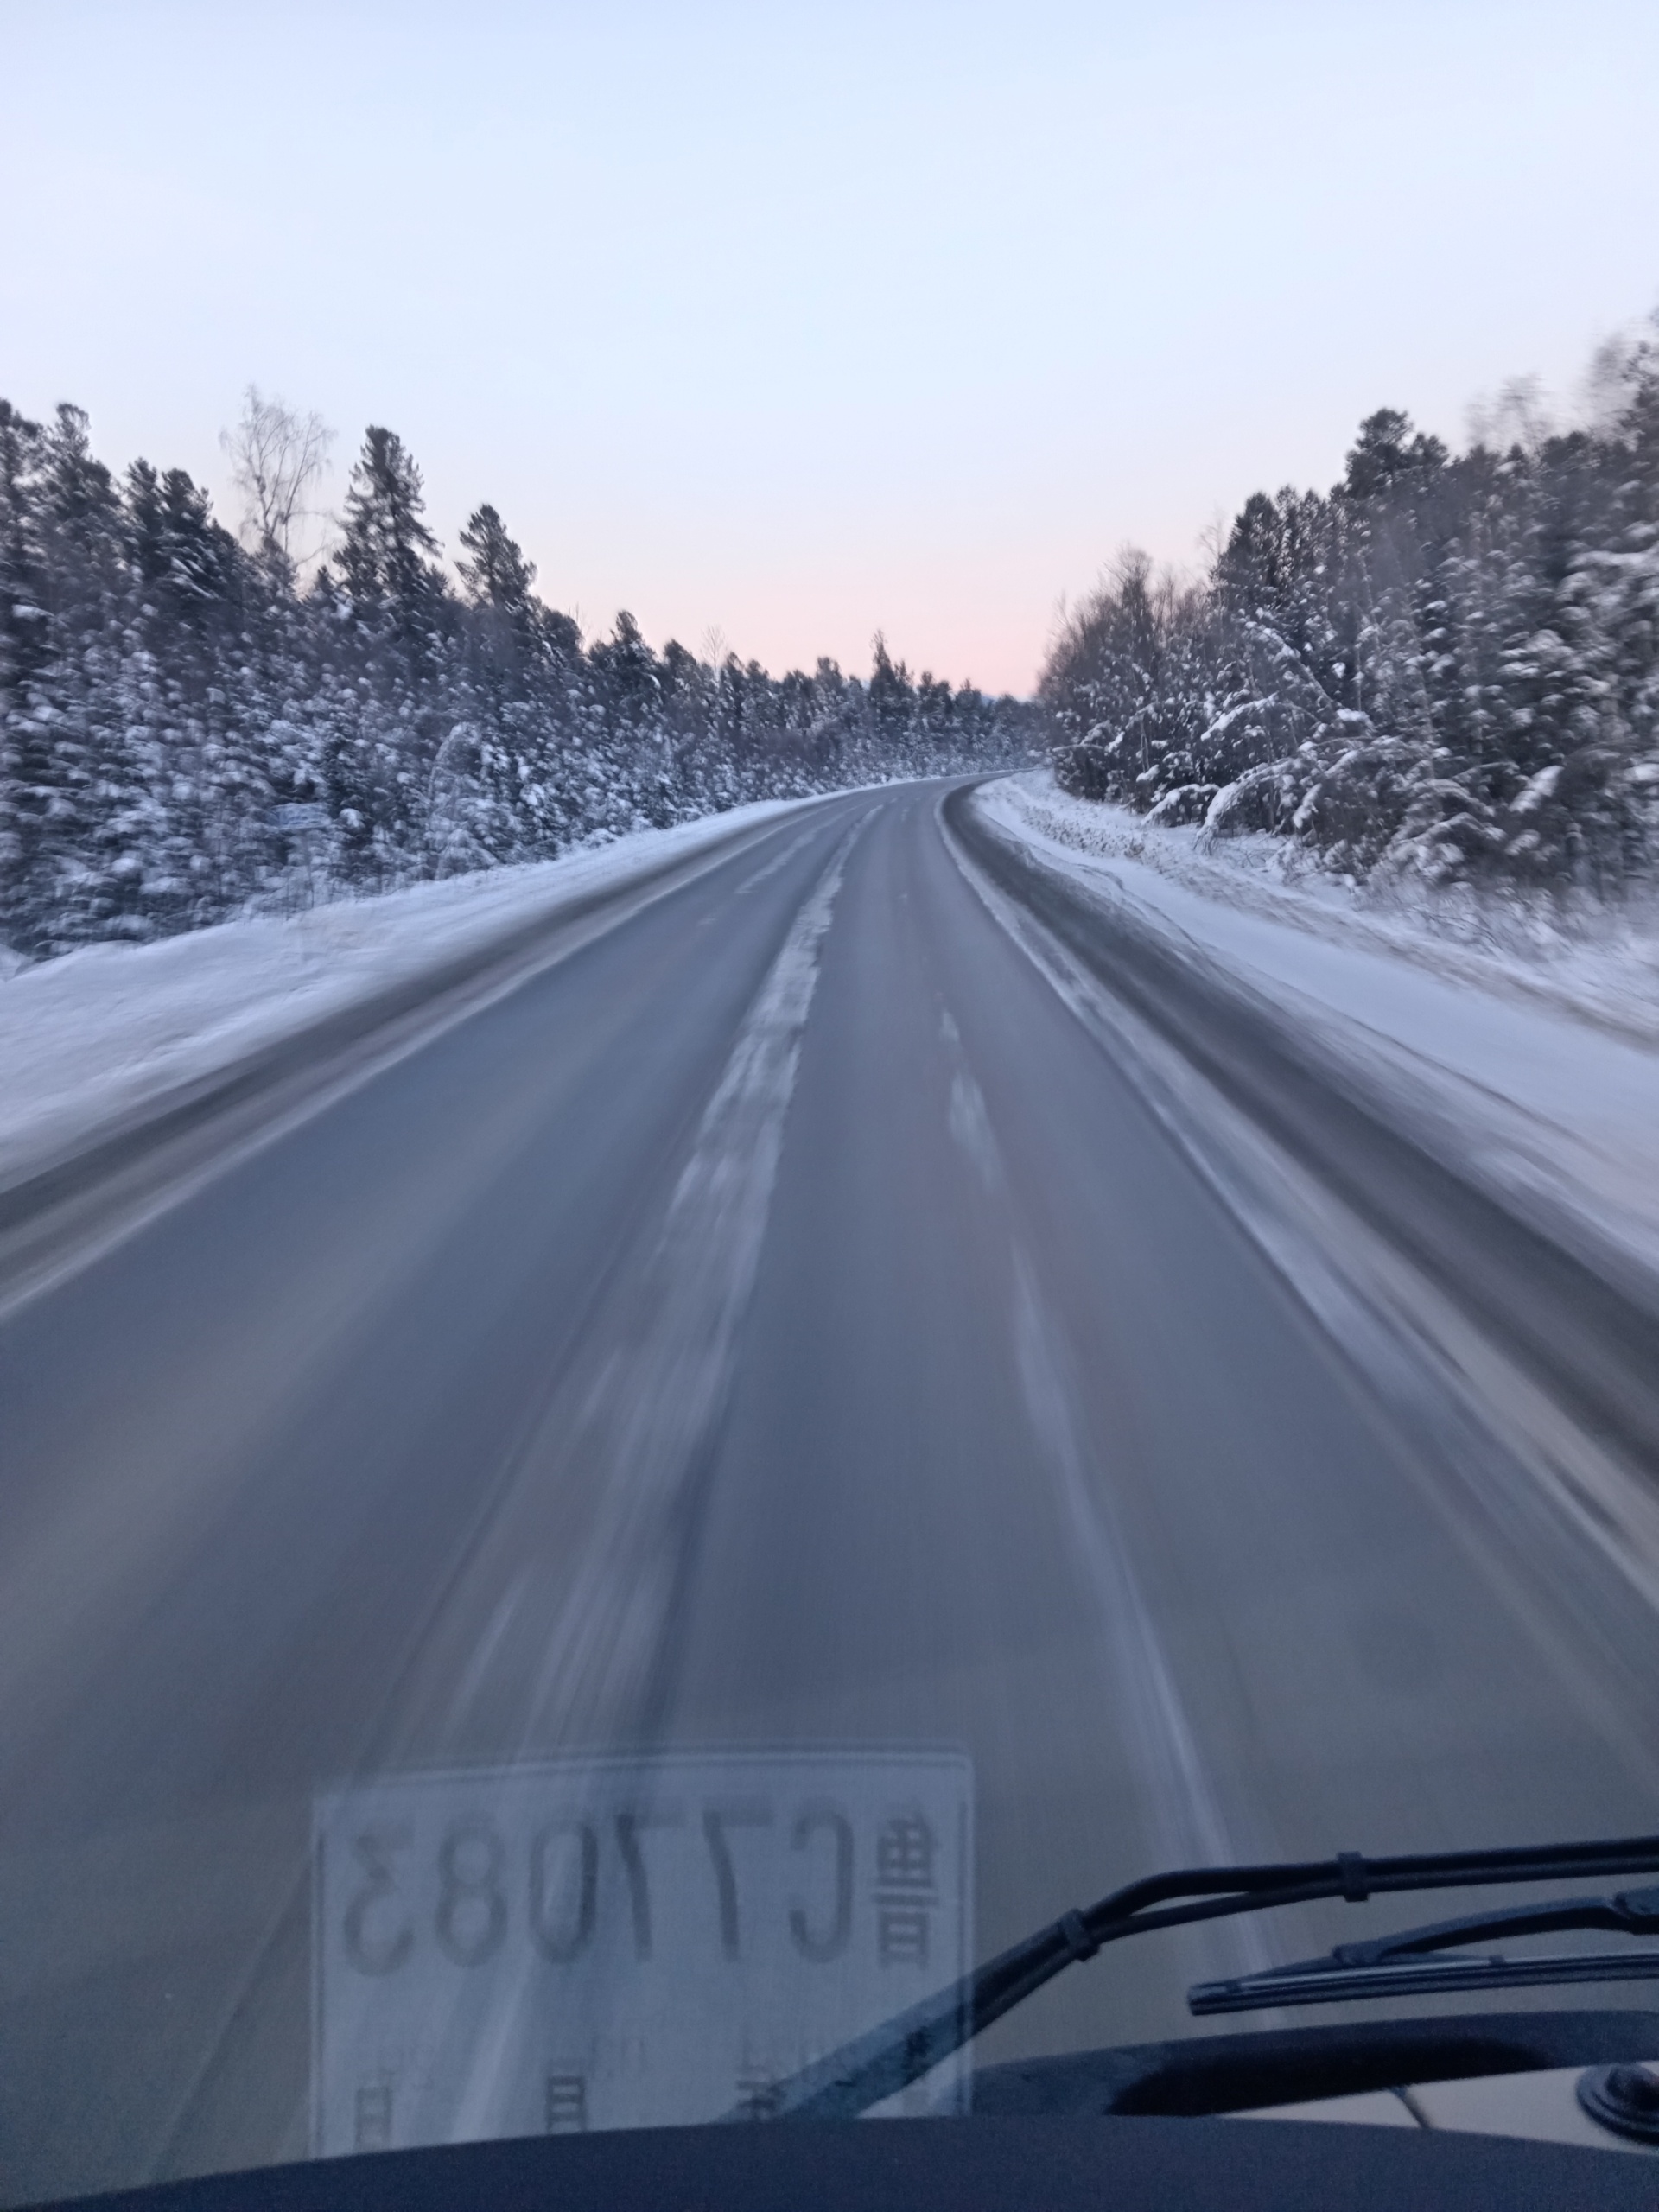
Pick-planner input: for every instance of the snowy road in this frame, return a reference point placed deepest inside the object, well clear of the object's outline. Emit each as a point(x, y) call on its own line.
point(777, 1323)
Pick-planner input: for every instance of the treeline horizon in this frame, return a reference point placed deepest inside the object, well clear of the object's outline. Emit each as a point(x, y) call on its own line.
point(190, 730)
point(1445, 669)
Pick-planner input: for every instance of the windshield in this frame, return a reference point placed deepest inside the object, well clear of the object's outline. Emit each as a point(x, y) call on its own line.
point(682, 1347)
point(654, 1532)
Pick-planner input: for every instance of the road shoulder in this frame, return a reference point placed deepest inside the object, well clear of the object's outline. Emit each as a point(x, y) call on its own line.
point(139, 1069)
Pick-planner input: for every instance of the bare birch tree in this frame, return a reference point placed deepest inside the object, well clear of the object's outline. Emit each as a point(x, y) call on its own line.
point(275, 456)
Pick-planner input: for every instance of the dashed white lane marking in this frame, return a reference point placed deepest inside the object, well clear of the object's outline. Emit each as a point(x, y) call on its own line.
point(971, 1126)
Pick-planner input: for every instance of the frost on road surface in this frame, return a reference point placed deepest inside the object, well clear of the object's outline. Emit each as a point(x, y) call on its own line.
point(636, 1415)
point(1536, 1060)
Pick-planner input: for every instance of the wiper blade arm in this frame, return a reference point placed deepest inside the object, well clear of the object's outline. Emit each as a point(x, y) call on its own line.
point(1633, 1912)
point(877, 2065)
point(1400, 1964)
point(1330, 1982)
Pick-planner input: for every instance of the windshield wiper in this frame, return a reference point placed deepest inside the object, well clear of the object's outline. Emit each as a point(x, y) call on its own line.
point(1401, 1965)
point(889, 2058)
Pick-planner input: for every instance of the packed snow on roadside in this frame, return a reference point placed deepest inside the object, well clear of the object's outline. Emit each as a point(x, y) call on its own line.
point(1524, 1039)
point(93, 1036)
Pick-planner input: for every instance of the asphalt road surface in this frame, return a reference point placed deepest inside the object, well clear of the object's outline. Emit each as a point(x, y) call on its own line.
point(776, 1323)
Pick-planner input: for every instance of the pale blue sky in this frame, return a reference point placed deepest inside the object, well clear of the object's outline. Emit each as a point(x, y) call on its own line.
point(798, 321)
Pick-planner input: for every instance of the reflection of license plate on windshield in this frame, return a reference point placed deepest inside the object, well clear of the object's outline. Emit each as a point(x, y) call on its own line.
point(625, 1943)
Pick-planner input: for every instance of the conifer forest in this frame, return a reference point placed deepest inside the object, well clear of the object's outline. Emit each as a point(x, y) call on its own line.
point(193, 724)
point(1447, 668)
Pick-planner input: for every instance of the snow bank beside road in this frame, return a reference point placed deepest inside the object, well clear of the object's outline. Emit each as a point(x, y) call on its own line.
point(97, 1036)
point(1536, 1065)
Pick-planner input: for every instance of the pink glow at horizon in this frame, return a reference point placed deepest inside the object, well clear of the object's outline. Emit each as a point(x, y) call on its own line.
point(790, 324)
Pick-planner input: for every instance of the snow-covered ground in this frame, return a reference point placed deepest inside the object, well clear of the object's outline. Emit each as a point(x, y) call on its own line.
point(96, 1036)
point(1525, 1042)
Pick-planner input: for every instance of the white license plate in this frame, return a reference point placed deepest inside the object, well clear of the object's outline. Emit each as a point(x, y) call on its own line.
point(625, 1943)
